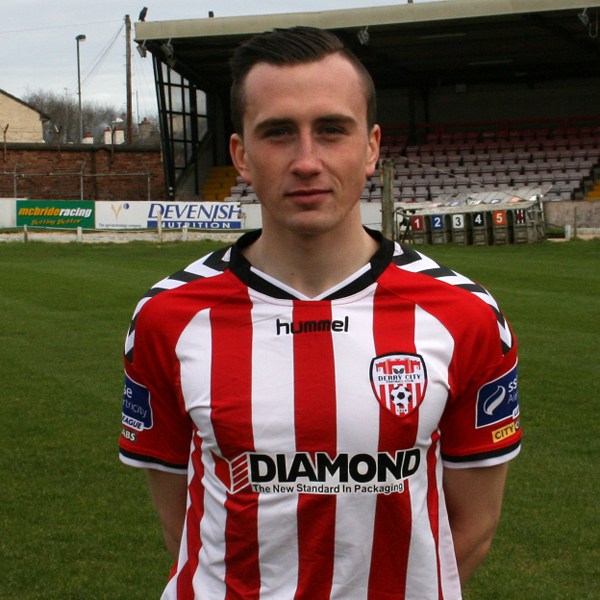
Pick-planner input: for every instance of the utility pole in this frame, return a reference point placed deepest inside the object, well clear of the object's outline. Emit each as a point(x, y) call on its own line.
point(80, 38)
point(387, 199)
point(129, 118)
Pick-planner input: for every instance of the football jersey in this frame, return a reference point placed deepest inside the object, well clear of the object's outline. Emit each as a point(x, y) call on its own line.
point(314, 431)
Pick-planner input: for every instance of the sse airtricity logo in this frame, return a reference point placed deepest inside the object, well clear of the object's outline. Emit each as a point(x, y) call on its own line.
point(137, 413)
point(498, 400)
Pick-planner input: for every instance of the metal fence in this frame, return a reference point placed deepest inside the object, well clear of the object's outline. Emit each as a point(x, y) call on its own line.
point(69, 185)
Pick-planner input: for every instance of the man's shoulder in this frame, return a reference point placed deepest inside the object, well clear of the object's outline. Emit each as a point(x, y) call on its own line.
point(407, 259)
point(206, 267)
point(210, 265)
point(186, 291)
point(446, 292)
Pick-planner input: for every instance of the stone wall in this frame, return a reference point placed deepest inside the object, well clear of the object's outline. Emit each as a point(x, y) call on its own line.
point(577, 213)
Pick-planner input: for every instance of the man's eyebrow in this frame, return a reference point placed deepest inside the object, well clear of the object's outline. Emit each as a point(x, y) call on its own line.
point(337, 118)
point(272, 123)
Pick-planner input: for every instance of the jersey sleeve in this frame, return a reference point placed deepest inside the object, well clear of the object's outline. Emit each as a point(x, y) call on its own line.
point(481, 424)
point(156, 430)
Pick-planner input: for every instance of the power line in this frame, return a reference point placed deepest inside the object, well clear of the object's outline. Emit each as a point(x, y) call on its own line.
point(70, 25)
point(100, 57)
point(103, 54)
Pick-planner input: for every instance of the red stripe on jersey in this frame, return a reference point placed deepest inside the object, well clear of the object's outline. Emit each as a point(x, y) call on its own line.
point(185, 589)
point(232, 403)
point(393, 517)
point(315, 413)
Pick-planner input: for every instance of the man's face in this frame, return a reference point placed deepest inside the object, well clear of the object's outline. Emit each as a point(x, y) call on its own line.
point(306, 147)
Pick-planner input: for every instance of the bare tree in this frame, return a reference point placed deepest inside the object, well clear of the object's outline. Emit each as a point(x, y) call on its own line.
point(63, 110)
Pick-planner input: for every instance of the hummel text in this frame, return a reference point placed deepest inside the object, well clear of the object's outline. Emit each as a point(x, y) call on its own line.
point(285, 328)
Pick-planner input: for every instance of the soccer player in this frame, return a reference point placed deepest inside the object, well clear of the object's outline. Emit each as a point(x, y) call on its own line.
point(322, 413)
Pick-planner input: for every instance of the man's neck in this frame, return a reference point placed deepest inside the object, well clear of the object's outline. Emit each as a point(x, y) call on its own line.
point(311, 264)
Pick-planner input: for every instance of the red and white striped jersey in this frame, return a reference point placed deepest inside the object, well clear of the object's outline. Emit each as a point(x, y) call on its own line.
point(314, 431)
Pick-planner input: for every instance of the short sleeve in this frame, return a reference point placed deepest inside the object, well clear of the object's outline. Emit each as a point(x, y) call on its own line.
point(156, 429)
point(481, 424)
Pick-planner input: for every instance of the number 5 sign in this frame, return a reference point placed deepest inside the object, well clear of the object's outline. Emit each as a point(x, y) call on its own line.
point(500, 218)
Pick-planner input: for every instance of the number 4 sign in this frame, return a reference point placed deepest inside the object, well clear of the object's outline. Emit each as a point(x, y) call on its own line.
point(478, 219)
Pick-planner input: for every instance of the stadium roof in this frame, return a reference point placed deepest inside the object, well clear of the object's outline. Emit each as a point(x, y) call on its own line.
point(424, 44)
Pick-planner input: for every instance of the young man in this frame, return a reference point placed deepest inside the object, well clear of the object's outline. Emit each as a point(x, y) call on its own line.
point(322, 413)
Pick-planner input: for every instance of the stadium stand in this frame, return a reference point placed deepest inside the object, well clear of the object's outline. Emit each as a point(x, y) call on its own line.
point(565, 158)
point(461, 161)
point(489, 95)
point(219, 183)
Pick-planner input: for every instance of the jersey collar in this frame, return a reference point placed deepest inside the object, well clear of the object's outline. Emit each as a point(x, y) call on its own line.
point(242, 269)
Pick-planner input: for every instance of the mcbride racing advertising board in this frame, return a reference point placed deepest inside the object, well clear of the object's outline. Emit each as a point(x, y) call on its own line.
point(62, 214)
point(173, 215)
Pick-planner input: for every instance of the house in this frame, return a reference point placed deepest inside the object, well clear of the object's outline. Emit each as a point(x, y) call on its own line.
point(19, 121)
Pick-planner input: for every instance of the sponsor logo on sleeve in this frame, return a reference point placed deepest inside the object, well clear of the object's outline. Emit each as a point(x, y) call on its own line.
point(498, 435)
point(137, 413)
point(498, 400)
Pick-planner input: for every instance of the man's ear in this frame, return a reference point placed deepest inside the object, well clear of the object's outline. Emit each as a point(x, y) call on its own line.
point(237, 151)
point(373, 149)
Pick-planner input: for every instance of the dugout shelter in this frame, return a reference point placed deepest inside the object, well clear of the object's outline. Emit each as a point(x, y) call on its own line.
point(438, 63)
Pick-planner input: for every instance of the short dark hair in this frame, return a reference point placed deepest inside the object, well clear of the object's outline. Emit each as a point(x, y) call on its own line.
point(293, 46)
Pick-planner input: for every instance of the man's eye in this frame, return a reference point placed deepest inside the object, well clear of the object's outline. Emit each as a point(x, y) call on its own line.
point(276, 132)
point(332, 130)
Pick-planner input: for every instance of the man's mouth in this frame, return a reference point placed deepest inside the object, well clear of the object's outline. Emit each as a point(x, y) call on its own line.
point(307, 193)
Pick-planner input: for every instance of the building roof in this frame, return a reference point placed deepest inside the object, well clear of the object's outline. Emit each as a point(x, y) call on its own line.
point(431, 43)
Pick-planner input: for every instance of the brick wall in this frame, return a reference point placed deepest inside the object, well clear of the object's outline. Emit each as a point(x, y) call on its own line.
point(50, 172)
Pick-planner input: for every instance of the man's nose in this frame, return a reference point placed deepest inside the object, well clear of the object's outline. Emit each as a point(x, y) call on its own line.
point(307, 160)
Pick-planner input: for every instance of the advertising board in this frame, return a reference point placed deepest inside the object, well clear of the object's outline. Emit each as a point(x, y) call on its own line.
point(173, 215)
point(61, 214)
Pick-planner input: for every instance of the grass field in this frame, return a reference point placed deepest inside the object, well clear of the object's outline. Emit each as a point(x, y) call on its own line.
point(76, 524)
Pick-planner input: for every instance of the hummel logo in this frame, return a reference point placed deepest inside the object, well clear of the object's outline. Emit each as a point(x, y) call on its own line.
point(295, 327)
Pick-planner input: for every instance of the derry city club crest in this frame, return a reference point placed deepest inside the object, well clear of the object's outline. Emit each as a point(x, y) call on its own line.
point(399, 382)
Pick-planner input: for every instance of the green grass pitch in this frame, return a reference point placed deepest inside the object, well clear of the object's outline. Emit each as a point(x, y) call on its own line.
point(76, 524)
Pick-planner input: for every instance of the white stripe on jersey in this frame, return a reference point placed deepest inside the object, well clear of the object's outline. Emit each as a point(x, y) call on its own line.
point(210, 573)
point(271, 359)
point(194, 353)
point(355, 514)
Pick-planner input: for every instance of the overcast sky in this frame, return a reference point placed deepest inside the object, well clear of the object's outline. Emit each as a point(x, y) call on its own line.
point(38, 50)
